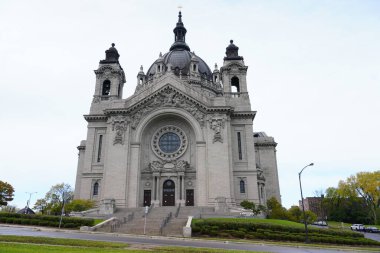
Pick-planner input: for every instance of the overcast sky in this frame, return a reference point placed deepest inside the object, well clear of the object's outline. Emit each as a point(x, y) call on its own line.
point(313, 78)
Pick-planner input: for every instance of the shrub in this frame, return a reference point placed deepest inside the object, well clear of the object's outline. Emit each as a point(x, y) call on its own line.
point(247, 229)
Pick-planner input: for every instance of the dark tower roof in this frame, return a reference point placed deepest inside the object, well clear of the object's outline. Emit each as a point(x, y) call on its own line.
point(179, 56)
point(112, 56)
point(179, 35)
point(232, 52)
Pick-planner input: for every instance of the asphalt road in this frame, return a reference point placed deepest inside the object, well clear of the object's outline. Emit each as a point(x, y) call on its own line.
point(159, 241)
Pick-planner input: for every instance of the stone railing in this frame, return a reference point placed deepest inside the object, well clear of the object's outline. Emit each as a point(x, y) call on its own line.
point(129, 217)
point(113, 222)
point(165, 221)
point(187, 229)
point(177, 211)
point(235, 94)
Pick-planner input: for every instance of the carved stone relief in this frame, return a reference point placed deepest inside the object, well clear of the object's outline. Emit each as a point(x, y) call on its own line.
point(217, 124)
point(177, 166)
point(119, 125)
point(96, 99)
point(260, 175)
point(168, 98)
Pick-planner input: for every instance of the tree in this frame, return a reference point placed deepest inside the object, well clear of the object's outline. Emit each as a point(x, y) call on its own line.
point(6, 193)
point(256, 209)
point(9, 209)
point(365, 185)
point(55, 199)
point(40, 205)
point(276, 210)
point(295, 214)
point(351, 209)
point(79, 205)
point(310, 216)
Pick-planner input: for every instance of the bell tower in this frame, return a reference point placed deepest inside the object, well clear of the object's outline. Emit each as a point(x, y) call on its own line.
point(234, 72)
point(110, 77)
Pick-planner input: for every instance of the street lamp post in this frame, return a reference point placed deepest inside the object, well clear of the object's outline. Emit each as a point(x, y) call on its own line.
point(303, 206)
point(28, 202)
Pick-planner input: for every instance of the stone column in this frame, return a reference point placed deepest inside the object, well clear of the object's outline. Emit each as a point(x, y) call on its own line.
point(158, 190)
point(183, 188)
point(154, 189)
point(134, 179)
point(177, 191)
point(201, 190)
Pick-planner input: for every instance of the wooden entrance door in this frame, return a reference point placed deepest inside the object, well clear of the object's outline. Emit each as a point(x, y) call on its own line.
point(190, 197)
point(168, 193)
point(147, 197)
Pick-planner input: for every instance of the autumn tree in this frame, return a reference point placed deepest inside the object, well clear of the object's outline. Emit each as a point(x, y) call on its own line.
point(6, 193)
point(365, 185)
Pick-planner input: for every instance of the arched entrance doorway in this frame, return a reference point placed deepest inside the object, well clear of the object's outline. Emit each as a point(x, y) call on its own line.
point(168, 193)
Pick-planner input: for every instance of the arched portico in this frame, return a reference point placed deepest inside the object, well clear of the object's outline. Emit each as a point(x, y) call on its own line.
point(149, 171)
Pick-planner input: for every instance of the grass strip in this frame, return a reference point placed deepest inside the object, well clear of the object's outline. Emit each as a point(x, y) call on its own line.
point(198, 250)
point(30, 248)
point(61, 241)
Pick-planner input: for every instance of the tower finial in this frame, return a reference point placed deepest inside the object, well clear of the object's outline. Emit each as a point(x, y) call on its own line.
point(179, 34)
point(179, 17)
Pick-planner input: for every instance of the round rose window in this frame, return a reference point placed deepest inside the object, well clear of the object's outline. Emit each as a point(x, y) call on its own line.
point(169, 142)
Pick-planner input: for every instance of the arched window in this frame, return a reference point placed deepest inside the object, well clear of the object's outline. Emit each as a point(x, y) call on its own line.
point(194, 67)
point(235, 86)
point(106, 88)
point(242, 186)
point(96, 189)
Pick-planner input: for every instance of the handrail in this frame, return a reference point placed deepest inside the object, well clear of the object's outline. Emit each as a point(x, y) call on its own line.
point(165, 222)
point(129, 217)
point(177, 211)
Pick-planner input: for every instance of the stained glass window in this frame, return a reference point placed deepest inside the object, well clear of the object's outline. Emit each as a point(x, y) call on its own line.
point(169, 142)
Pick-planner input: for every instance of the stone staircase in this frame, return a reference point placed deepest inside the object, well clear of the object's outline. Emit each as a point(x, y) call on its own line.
point(132, 220)
point(154, 220)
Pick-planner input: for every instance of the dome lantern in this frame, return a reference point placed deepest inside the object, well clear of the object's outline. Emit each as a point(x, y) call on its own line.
point(179, 36)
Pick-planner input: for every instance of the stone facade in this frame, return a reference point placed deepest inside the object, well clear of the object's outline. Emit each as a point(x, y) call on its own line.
point(184, 137)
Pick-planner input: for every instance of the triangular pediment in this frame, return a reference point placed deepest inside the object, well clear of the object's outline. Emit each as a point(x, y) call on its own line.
point(166, 97)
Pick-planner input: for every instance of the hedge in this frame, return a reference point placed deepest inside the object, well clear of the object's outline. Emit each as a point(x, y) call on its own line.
point(249, 230)
point(44, 220)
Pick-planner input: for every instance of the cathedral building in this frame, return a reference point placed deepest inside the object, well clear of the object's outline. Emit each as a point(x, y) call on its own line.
point(185, 137)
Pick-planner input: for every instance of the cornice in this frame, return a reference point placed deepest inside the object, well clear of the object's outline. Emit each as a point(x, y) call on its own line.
point(266, 144)
point(95, 118)
point(220, 109)
point(243, 115)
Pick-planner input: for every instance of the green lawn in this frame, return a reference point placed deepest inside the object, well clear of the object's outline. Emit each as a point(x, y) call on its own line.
point(97, 221)
point(33, 248)
point(60, 241)
point(26, 244)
